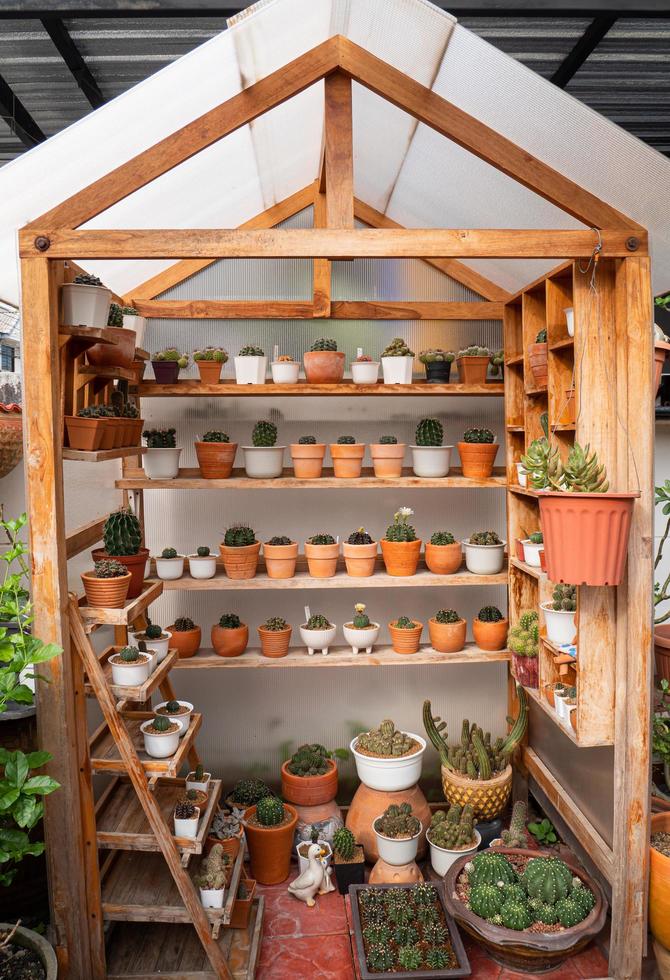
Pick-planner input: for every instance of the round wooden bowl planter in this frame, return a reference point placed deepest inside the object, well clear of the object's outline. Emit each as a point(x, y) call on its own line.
point(309, 790)
point(477, 459)
point(210, 371)
point(120, 354)
point(187, 642)
point(490, 636)
point(324, 367)
point(270, 848)
point(307, 459)
point(387, 458)
point(487, 797)
point(444, 559)
point(240, 563)
point(659, 885)
point(347, 459)
point(472, 370)
point(110, 593)
point(230, 642)
point(406, 641)
point(401, 557)
point(447, 637)
point(136, 565)
point(322, 559)
point(274, 643)
point(537, 356)
point(525, 669)
point(280, 559)
point(533, 952)
point(662, 651)
point(360, 559)
point(215, 459)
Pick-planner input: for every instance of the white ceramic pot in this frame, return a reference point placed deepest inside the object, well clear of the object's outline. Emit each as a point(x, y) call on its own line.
point(366, 372)
point(184, 720)
point(521, 475)
point(442, 858)
point(212, 898)
point(263, 462)
point(570, 320)
point(170, 568)
point(160, 646)
point(251, 370)
point(197, 784)
point(303, 862)
point(568, 709)
point(159, 745)
point(137, 324)
point(130, 675)
point(561, 707)
point(561, 624)
point(85, 306)
point(285, 372)
point(202, 566)
point(361, 639)
point(161, 464)
point(531, 552)
point(431, 461)
point(397, 370)
point(390, 775)
point(484, 559)
point(187, 828)
point(318, 639)
point(396, 851)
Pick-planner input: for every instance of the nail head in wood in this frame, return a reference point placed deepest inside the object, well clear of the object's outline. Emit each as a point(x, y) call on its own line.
point(42, 243)
point(632, 243)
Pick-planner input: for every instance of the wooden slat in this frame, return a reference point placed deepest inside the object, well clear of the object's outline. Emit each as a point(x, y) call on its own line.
point(222, 309)
point(88, 373)
point(140, 692)
point(131, 610)
point(190, 387)
point(83, 537)
point(212, 309)
point(355, 310)
point(107, 756)
point(339, 152)
point(321, 268)
point(101, 455)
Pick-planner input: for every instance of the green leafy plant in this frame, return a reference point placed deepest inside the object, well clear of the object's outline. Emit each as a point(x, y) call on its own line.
point(324, 343)
point(215, 435)
point(441, 538)
point(429, 432)
point(479, 436)
point(400, 530)
point(160, 438)
point(264, 434)
point(543, 831)
point(22, 790)
point(230, 621)
point(397, 348)
point(447, 616)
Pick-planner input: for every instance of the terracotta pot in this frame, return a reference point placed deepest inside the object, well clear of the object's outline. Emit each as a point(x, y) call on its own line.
point(662, 651)
point(477, 459)
point(368, 803)
point(108, 592)
point(187, 642)
point(525, 670)
point(241, 913)
point(136, 565)
point(230, 845)
point(240, 562)
point(490, 636)
point(660, 353)
point(537, 356)
point(444, 559)
point(215, 459)
point(387, 458)
point(447, 637)
point(401, 557)
point(322, 559)
point(84, 434)
point(360, 559)
point(274, 643)
point(347, 459)
point(548, 690)
point(108, 434)
point(280, 559)
point(121, 354)
point(659, 884)
point(586, 536)
point(309, 790)
point(270, 848)
point(119, 427)
point(210, 371)
point(307, 460)
point(138, 367)
point(519, 549)
point(472, 370)
point(323, 367)
point(406, 641)
point(230, 642)
point(487, 797)
point(543, 560)
point(568, 414)
point(165, 372)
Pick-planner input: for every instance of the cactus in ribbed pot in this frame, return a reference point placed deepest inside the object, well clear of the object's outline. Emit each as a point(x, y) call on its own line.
point(517, 836)
point(264, 434)
point(270, 811)
point(429, 432)
point(122, 534)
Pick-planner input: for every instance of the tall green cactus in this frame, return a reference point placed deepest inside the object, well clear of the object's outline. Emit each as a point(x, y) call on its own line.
point(122, 534)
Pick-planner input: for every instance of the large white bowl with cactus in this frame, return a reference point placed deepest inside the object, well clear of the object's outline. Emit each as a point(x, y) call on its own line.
point(388, 759)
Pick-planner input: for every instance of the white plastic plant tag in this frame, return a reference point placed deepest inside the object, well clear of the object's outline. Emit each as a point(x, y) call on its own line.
point(359, 352)
point(308, 614)
point(275, 352)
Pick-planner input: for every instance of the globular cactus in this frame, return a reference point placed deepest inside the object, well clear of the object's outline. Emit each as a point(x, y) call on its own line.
point(183, 624)
point(247, 792)
point(346, 440)
point(86, 279)
point(388, 440)
point(453, 829)
point(524, 638)
point(360, 536)
point(406, 935)
point(376, 934)
point(486, 900)
point(424, 894)
point(171, 354)
point(161, 724)
point(517, 836)
point(109, 569)
point(172, 708)
point(398, 348)
point(169, 553)
point(484, 538)
point(489, 868)
point(160, 438)
point(213, 869)
point(318, 622)
point(153, 632)
point(536, 537)
point(217, 354)
point(122, 534)
point(474, 351)
point(541, 337)
point(447, 616)
point(131, 411)
point(307, 441)
point(129, 655)
point(564, 597)
point(409, 958)
point(435, 355)
point(547, 879)
point(321, 539)
point(203, 551)
point(400, 530)
point(344, 844)
point(324, 343)
point(115, 318)
point(438, 959)
point(279, 541)
point(478, 435)
point(215, 435)
point(516, 915)
point(490, 614)
point(270, 811)
point(404, 623)
point(435, 933)
point(442, 537)
point(398, 821)
point(230, 621)
point(361, 620)
point(264, 434)
point(183, 810)
point(583, 896)
point(239, 536)
point(385, 741)
point(546, 914)
point(250, 351)
point(380, 958)
point(275, 624)
point(569, 912)
point(429, 432)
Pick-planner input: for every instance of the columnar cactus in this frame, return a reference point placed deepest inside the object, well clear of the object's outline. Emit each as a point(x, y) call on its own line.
point(385, 741)
point(429, 432)
point(264, 434)
point(344, 844)
point(516, 836)
point(213, 869)
point(122, 534)
point(115, 318)
point(270, 811)
point(453, 829)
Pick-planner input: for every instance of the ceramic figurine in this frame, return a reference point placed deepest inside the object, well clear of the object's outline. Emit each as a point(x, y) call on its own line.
point(315, 880)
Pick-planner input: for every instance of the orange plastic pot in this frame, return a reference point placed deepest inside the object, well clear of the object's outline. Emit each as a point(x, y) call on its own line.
point(543, 560)
point(308, 460)
point(230, 643)
point(662, 651)
point(490, 636)
point(472, 370)
point(387, 458)
point(108, 434)
point(444, 559)
point(447, 637)
point(406, 641)
point(518, 547)
point(241, 562)
point(477, 459)
point(537, 356)
point(586, 536)
point(280, 559)
point(119, 354)
point(323, 367)
point(215, 459)
point(136, 565)
point(309, 790)
point(274, 643)
point(661, 350)
point(210, 371)
point(187, 642)
point(110, 593)
point(659, 885)
point(84, 434)
point(270, 848)
point(360, 559)
point(401, 557)
point(347, 459)
point(322, 559)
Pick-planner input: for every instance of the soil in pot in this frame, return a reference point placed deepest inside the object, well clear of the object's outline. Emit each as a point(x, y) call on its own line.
point(401, 557)
point(270, 848)
point(308, 459)
point(309, 790)
point(215, 459)
point(242, 562)
point(477, 459)
point(26, 956)
point(406, 641)
point(444, 559)
point(136, 565)
point(387, 458)
point(187, 642)
point(447, 637)
point(324, 366)
point(347, 459)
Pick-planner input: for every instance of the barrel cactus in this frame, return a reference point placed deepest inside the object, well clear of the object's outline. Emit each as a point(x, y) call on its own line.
point(215, 435)
point(169, 553)
point(486, 900)
point(360, 536)
point(489, 868)
point(122, 534)
point(361, 620)
point(548, 879)
point(324, 343)
point(447, 616)
point(230, 621)
point(239, 536)
point(490, 614)
point(570, 913)
point(388, 440)
point(129, 655)
point(516, 915)
point(307, 441)
point(440, 538)
point(202, 551)
point(486, 538)
point(270, 811)
point(344, 844)
point(264, 434)
point(429, 432)
point(478, 435)
point(249, 350)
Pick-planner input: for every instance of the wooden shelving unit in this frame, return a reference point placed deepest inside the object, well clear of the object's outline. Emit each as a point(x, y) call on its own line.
point(131, 610)
point(139, 692)
point(107, 757)
point(419, 389)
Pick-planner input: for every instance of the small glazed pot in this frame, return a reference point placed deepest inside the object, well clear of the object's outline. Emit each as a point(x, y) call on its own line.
point(270, 848)
point(215, 459)
point(285, 372)
point(323, 367)
point(307, 460)
point(360, 559)
point(130, 674)
point(263, 462)
point(274, 643)
point(169, 569)
point(241, 562)
point(251, 370)
point(210, 371)
point(230, 642)
point(202, 566)
point(406, 641)
point(183, 718)
point(396, 851)
point(484, 559)
point(161, 464)
point(309, 790)
point(120, 354)
point(397, 370)
point(317, 639)
point(537, 357)
point(159, 745)
point(444, 559)
point(322, 559)
point(84, 434)
point(447, 637)
point(361, 639)
point(110, 593)
point(165, 372)
point(490, 636)
point(364, 372)
point(431, 461)
point(187, 642)
point(387, 458)
point(477, 459)
point(280, 559)
point(136, 565)
point(472, 370)
point(401, 557)
point(347, 459)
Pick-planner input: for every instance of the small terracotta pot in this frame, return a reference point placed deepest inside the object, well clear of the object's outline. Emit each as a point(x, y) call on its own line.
point(240, 562)
point(108, 592)
point(309, 790)
point(477, 459)
point(347, 459)
point(360, 559)
point(406, 641)
point(187, 642)
point(569, 413)
point(307, 459)
point(387, 458)
point(659, 884)
point(274, 643)
point(239, 917)
point(84, 434)
point(230, 643)
point(472, 370)
point(662, 651)
point(323, 367)
point(525, 670)
point(270, 848)
point(401, 557)
point(230, 845)
point(215, 459)
point(548, 690)
point(537, 356)
point(136, 565)
point(210, 371)
point(280, 559)
point(322, 559)
point(490, 636)
point(444, 559)
point(121, 354)
point(108, 434)
point(519, 549)
point(447, 637)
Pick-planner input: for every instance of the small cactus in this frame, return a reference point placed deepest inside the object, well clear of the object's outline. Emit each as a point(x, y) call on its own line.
point(199, 774)
point(490, 614)
point(270, 811)
point(361, 620)
point(516, 915)
point(404, 623)
point(435, 355)
point(564, 598)
point(109, 569)
point(317, 622)
point(388, 440)
point(153, 632)
point(429, 432)
point(397, 348)
point(478, 435)
point(169, 553)
point(346, 440)
point(230, 621)
point(264, 434)
point(474, 351)
point(173, 708)
point(122, 534)
point(215, 435)
point(398, 821)
point(250, 351)
point(400, 530)
point(344, 844)
point(360, 536)
point(484, 538)
point(247, 792)
point(447, 616)
point(275, 624)
point(307, 441)
point(161, 724)
point(486, 900)
point(183, 624)
point(115, 318)
point(239, 536)
point(442, 538)
point(385, 741)
point(213, 869)
point(516, 836)
point(324, 343)
point(321, 539)
point(160, 438)
point(184, 810)
point(536, 537)
point(86, 279)
point(309, 760)
point(217, 354)
point(129, 655)
point(203, 551)
point(541, 337)
point(279, 541)
point(409, 958)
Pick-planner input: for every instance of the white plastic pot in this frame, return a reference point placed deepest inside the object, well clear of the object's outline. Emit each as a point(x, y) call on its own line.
point(184, 720)
point(561, 707)
point(263, 462)
point(561, 624)
point(160, 646)
point(202, 566)
point(570, 320)
point(397, 370)
point(170, 568)
point(161, 464)
point(521, 475)
point(85, 306)
point(442, 858)
point(285, 372)
point(396, 851)
point(531, 552)
point(390, 775)
point(303, 862)
point(361, 639)
point(159, 745)
point(484, 559)
point(567, 718)
point(366, 372)
point(136, 323)
point(197, 784)
point(251, 370)
point(431, 461)
point(187, 828)
point(318, 639)
point(212, 898)
point(130, 675)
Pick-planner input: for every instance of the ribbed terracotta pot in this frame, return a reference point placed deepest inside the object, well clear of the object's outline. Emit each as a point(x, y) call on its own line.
point(661, 350)
point(240, 562)
point(187, 642)
point(307, 459)
point(387, 458)
point(472, 370)
point(323, 367)
point(84, 434)
point(108, 434)
point(537, 356)
point(108, 592)
point(444, 559)
point(274, 643)
point(322, 559)
point(360, 559)
point(447, 637)
point(210, 371)
point(662, 651)
point(586, 536)
point(270, 848)
point(490, 636)
point(136, 565)
point(229, 642)
point(659, 884)
point(280, 559)
point(406, 641)
point(309, 790)
point(347, 459)
point(477, 459)
point(368, 803)
point(120, 354)
point(401, 557)
point(215, 459)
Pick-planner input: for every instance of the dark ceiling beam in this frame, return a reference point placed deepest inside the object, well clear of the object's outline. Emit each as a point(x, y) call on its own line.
point(18, 118)
point(585, 46)
point(71, 55)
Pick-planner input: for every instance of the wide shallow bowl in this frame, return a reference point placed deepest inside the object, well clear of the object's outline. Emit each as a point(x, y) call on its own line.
point(28, 939)
point(389, 775)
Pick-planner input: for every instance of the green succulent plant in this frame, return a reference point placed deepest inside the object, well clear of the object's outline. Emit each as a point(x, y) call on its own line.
point(564, 597)
point(410, 958)
point(361, 620)
point(344, 844)
point(485, 899)
point(385, 741)
point(86, 279)
point(435, 355)
point(213, 869)
point(264, 434)
point(218, 354)
point(169, 553)
point(524, 638)
point(239, 536)
point(346, 440)
point(183, 624)
point(153, 632)
point(474, 351)
point(324, 343)
point(122, 533)
point(400, 530)
point(429, 432)
point(279, 541)
point(484, 538)
point(321, 539)
point(115, 318)
point(109, 569)
point(307, 441)
point(202, 551)
point(215, 435)
point(490, 614)
point(161, 724)
point(317, 622)
point(404, 623)
point(541, 337)
point(230, 621)
point(516, 835)
point(453, 829)
point(310, 760)
point(397, 348)
point(380, 958)
point(441, 538)
point(388, 440)
point(270, 811)
point(360, 536)
point(249, 350)
point(129, 655)
point(247, 792)
point(275, 624)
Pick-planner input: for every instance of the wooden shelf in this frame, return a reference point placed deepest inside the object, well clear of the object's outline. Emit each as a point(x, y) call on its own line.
point(538, 699)
point(516, 427)
point(101, 455)
point(139, 692)
point(192, 387)
point(111, 373)
point(105, 755)
point(532, 570)
point(514, 359)
point(532, 392)
point(562, 343)
point(127, 614)
point(523, 491)
point(564, 427)
point(81, 338)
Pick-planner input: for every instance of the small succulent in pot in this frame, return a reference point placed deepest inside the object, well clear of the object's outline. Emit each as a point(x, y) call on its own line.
point(215, 435)
point(160, 438)
point(216, 454)
point(386, 741)
point(524, 642)
point(317, 633)
point(216, 354)
point(240, 564)
point(183, 624)
point(497, 361)
point(397, 348)
point(264, 459)
point(361, 620)
point(430, 457)
point(484, 553)
point(447, 616)
point(473, 364)
point(203, 551)
point(250, 365)
point(186, 636)
point(169, 553)
point(484, 538)
point(167, 364)
point(213, 873)
point(404, 623)
point(107, 585)
point(437, 363)
point(324, 343)
point(161, 460)
point(489, 629)
point(307, 441)
point(317, 621)
point(321, 539)
point(361, 633)
point(447, 631)
point(442, 538)
point(400, 545)
point(250, 350)
point(490, 614)
point(115, 318)
point(360, 536)
point(324, 363)
point(264, 434)
point(400, 529)
point(86, 279)
point(275, 624)
point(346, 440)
point(239, 536)
point(397, 360)
point(247, 792)
point(478, 450)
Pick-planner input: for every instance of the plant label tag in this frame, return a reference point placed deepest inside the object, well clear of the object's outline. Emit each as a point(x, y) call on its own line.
point(275, 352)
point(307, 614)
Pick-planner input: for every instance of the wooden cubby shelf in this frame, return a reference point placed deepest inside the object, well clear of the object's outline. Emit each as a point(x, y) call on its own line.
point(547, 709)
point(108, 373)
point(562, 343)
point(127, 614)
point(105, 755)
point(101, 455)
point(531, 570)
point(139, 692)
point(191, 388)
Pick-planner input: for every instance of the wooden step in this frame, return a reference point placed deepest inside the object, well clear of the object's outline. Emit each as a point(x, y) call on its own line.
point(105, 755)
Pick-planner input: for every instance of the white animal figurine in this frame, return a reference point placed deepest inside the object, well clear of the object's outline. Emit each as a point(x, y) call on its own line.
point(315, 880)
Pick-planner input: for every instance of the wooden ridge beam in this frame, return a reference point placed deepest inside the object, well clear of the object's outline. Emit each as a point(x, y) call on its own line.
point(339, 152)
point(211, 309)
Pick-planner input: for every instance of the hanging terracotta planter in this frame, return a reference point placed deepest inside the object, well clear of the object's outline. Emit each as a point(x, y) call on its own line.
point(307, 459)
point(444, 559)
point(240, 562)
point(537, 356)
point(401, 557)
point(11, 437)
point(447, 637)
point(477, 459)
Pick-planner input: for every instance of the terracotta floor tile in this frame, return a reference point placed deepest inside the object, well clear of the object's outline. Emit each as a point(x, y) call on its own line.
point(566, 972)
point(285, 916)
point(591, 963)
point(306, 958)
point(347, 909)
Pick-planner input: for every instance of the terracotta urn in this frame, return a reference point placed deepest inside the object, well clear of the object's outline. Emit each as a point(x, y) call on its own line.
point(368, 803)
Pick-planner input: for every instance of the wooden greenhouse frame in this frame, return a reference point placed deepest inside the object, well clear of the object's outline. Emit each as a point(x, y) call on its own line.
point(616, 412)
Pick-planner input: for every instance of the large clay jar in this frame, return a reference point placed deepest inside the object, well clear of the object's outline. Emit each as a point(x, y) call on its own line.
point(347, 459)
point(187, 642)
point(230, 642)
point(490, 636)
point(241, 562)
point(360, 559)
point(309, 790)
point(307, 459)
point(444, 559)
point(368, 803)
point(323, 367)
point(477, 459)
point(387, 458)
point(136, 565)
point(401, 557)
point(215, 459)
point(447, 637)
point(270, 848)
point(280, 559)
point(321, 559)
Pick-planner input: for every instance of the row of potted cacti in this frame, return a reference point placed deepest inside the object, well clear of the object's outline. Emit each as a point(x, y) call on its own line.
point(105, 426)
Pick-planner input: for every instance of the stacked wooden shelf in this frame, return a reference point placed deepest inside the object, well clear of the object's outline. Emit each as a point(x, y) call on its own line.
point(106, 757)
point(131, 610)
point(102, 455)
point(192, 387)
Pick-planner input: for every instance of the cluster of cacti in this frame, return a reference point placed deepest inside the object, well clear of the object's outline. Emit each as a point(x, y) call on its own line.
point(122, 534)
point(524, 638)
point(270, 811)
point(447, 616)
point(215, 435)
point(307, 441)
point(497, 359)
point(581, 473)
point(344, 844)
point(541, 337)
point(279, 541)
point(275, 624)
point(96, 412)
point(309, 760)
point(429, 432)
point(324, 343)
point(453, 829)
point(388, 440)
point(346, 440)
point(218, 354)
point(171, 354)
point(247, 792)
point(169, 553)
point(397, 348)
point(183, 624)
point(516, 835)
point(130, 411)
point(442, 538)
point(250, 351)
point(318, 622)
point(321, 539)
point(474, 351)
point(184, 810)
point(385, 741)
point(264, 434)
point(400, 530)
point(115, 318)
point(478, 435)
point(213, 869)
point(403, 930)
point(230, 621)
point(86, 279)
point(490, 614)
point(360, 536)
point(160, 438)
point(436, 355)
point(239, 536)
point(564, 597)
point(109, 569)
point(484, 537)
point(361, 620)
point(404, 623)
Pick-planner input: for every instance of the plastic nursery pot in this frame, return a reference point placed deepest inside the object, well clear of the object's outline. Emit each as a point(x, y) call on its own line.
point(263, 462)
point(484, 559)
point(161, 464)
point(137, 324)
point(350, 872)
point(120, 354)
point(447, 637)
point(442, 858)
point(431, 461)
point(215, 459)
point(165, 372)
point(477, 459)
point(662, 651)
point(389, 774)
point(202, 566)
point(309, 790)
point(187, 826)
point(659, 884)
point(307, 460)
point(230, 642)
point(187, 642)
point(270, 848)
point(251, 370)
point(586, 535)
point(323, 367)
point(159, 646)
point(387, 458)
point(210, 371)
point(169, 569)
point(401, 557)
point(525, 670)
point(396, 851)
point(364, 372)
point(241, 562)
point(211, 898)
point(108, 592)
point(285, 372)
point(130, 674)
point(202, 785)
point(136, 565)
point(160, 745)
point(360, 559)
point(397, 370)
point(444, 559)
point(487, 797)
point(274, 643)
point(490, 636)
point(361, 639)
point(438, 372)
point(183, 716)
point(322, 559)
point(472, 370)
point(406, 641)
point(84, 434)
point(27, 939)
point(570, 320)
point(84, 305)
point(561, 624)
point(347, 459)
point(537, 356)
point(660, 353)
point(531, 552)
point(280, 559)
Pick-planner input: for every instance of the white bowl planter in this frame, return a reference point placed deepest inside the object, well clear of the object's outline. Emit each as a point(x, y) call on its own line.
point(202, 785)
point(130, 674)
point(431, 461)
point(570, 320)
point(318, 639)
point(85, 306)
point(397, 370)
point(366, 372)
point(161, 464)
point(303, 861)
point(184, 720)
point(263, 462)
point(160, 646)
point(484, 559)
point(442, 858)
point(390, 775)
point(363, 639)
point(561, 624)
point(159, 745)
point(187, 828)
point(531, 552)
point(137, 324)
point(202, 566)
point(521, 475)
point(396, 850)
point(212, 898)
point(285, 372)
point(251, 370)
point(169, 568)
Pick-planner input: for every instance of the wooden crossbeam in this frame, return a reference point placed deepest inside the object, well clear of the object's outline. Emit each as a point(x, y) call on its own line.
point(212, 309)
point(83, 537)
point(339, 152)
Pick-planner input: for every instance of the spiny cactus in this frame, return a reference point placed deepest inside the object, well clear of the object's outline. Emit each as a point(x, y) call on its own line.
point(429, 432)
point(247, 792)
point(270, 811)
point(109, 569)
point(490, 868)
point(310, 760)
point(490, 614)
point(324, 343)
point(435, 355)
point(398, 348)
point(516, 915)
point(183, 624)
point(453, 829)
point(388, 440)
point(115, 318)
point(404, 623)
point(344, 844)
point(217, 354)
point(484, 538)
point(438, 959)
point(318, 622)
point(279, 541)
point(385, 741)
point(524, 638)
point(202, 551)
point(541, 337)
point(406, 935)
point(360, 536)
point(230, 621)
point(129, 655)
point(173, 708)
point(171, 354)
point(435, 933)
point(536, 537)
point(582, 896)
point(250, 351)
point(361, 620)
point(199, 774)
point(122, 534)
point(215, 435)
point(547, 879)
point(409, 958)
point(169, 553)
point(264, 434)
point(400, 530)
point(130, 411)
point(153, 632)
point(213, 869)
point(160, 438)
point(478, 435)
point(474, 351)
point(517, 836)
point(239, 536)
point(161, 724)
point(307, 441)
point(321, 539)
point(447, 616)
point(380, 958)
point(570, 913)
point(398, 821)
point(485, 900)
point(346, 440)
point(376, 934)
point(86, 279)
point(275, 624)
point(564, 597)
point(184, 810)
point(442, 537)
